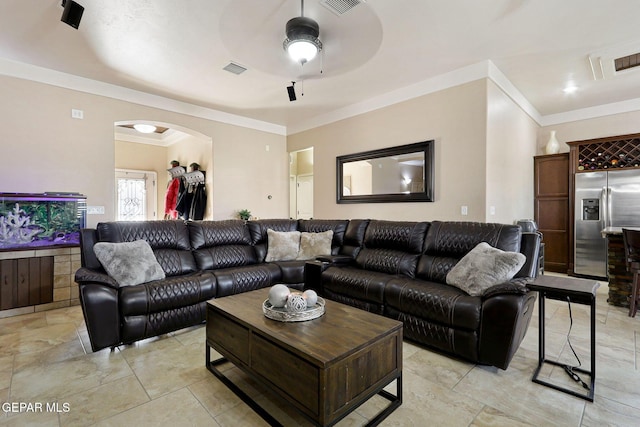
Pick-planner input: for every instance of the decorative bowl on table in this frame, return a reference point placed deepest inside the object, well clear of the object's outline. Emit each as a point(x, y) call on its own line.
point(282, 314)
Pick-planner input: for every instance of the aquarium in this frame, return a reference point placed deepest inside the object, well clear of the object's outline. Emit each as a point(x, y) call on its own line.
point(44, 220)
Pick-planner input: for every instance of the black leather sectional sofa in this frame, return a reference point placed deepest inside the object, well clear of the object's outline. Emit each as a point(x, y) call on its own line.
point(393, 268)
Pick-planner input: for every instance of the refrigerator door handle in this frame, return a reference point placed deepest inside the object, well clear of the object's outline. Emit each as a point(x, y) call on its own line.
point(606, 204)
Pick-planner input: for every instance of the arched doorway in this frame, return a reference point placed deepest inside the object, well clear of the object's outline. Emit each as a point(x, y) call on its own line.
point(151, 153)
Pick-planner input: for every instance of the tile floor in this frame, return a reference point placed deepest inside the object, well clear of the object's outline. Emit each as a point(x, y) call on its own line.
point(44, 359)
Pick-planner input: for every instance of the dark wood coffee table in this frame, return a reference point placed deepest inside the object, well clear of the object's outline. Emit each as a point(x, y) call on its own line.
point(325, 367)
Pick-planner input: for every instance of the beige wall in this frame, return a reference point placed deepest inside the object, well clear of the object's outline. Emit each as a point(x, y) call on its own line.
point(246, 174)
point(50, 151)
point(612, 125)
point(511, 145)
point(455, 118)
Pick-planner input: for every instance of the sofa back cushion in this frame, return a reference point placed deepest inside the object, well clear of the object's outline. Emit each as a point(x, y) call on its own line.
point(169, 241)
point(448, 241)
point(321, 225)
point(354, 237)
point(392, 247)
point(221, 244)
point(258, 230)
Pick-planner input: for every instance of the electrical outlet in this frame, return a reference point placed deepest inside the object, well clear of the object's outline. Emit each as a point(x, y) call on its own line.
point(492, 210)
point(77, 114)
point(464, 210)
point(95, 210)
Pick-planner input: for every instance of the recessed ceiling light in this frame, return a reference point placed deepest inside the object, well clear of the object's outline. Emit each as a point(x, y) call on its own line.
point(570, 89)
point(143, 128)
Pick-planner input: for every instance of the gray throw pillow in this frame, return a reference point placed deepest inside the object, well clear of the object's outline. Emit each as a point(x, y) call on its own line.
point(129, 263)
point(483, 267)
point(282, 245)
point(315, 244)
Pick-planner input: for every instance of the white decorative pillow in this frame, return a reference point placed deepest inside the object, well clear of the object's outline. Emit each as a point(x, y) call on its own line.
point(129, 263)
point(282, 245)
point(484, 266)
point(315, 244)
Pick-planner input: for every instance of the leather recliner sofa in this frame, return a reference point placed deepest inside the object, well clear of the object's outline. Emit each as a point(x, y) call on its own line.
point(400, 272)
point(201, 260)
point(393, 268)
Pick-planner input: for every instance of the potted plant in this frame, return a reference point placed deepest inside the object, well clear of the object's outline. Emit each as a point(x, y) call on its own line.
point(244, 214)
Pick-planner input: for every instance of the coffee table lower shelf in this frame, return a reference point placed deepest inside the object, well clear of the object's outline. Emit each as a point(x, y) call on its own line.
point(394, 400)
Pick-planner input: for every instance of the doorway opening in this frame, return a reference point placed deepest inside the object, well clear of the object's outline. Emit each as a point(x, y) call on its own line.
point(301, 184)
point(154, 153)
point(135, 195)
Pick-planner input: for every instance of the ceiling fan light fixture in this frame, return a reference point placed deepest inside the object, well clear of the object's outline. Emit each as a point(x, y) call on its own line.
point(144, 128)
point(302, 43)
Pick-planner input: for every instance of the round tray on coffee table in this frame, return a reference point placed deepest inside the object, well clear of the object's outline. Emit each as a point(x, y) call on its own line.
point(282, 315)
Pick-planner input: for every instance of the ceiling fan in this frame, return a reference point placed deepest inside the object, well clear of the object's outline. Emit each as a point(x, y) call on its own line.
point(302, 42)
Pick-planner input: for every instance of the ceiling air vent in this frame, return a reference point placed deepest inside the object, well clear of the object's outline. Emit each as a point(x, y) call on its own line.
point(626, 62)
point(234, 68)
point(340, 6)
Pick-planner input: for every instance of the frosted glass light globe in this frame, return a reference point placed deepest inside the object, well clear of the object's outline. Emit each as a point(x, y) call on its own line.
point(302, 51)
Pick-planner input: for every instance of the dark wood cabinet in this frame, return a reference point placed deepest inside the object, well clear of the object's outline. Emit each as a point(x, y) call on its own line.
point(552, 208)
point(26, 281)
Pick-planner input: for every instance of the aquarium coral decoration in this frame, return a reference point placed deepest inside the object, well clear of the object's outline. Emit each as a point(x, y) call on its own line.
point(16, 227)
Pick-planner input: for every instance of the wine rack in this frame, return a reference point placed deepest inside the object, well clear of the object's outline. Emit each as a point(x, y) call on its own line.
point(612, 154)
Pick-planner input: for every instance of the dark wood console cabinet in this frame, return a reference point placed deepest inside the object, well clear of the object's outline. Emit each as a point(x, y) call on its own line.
point(552, 208)
point(26, 281)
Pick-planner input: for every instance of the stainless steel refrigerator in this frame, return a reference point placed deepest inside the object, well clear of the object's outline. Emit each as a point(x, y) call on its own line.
point(602, 199)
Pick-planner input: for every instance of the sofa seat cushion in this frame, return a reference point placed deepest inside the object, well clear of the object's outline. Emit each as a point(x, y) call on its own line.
point(356, 283)
point(231, 281)
point(167, 294)
point(436, 302)
point(292, 271)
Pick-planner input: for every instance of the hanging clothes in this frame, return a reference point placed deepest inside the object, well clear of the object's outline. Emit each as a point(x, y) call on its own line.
point(192, 198)
point(198, 202)
point(171, 199)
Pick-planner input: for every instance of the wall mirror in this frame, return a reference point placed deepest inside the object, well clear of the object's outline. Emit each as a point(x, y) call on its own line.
point(397, 174)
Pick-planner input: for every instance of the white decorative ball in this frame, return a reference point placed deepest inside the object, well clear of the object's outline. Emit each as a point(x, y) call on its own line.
point(278, 295)
point(295, 303)
point(311, 297)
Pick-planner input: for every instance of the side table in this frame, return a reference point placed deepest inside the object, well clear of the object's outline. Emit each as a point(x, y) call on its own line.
point(573, 290)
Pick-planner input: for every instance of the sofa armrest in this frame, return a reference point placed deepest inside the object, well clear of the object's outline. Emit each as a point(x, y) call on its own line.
point(313, 275)
point(336, 260)
point(101, 311)
point(516, 286)
point(504, 321)
point(88, 276)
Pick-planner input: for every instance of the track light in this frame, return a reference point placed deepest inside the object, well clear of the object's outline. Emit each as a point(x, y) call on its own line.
point(72, 13)
point(292, 91)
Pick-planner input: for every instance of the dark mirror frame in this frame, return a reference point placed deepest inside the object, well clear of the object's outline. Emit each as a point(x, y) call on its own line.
point(426, 147)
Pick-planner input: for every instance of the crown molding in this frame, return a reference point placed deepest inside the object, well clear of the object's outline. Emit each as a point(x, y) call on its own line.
point(592, 112)
point(485, 69)
point(24, 71)
point(477, 71)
